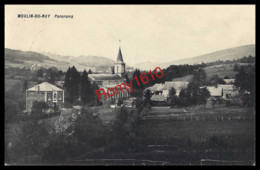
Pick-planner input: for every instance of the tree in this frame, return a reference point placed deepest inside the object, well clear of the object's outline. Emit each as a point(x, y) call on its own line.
point(85, 88)
point(39, 108)
point(173, 99)
point(183, 98)
point(226, 77)
point(203, 96)
point(39, 73)
point(28, 138)
point(245, 81)
point(124, 129)
point(90, 130)
point(200, 77)
point(71, 85)
point(127, 78)
point(215, 80)
point(120, 102)
point(113, 70)
point(25, 86)
point(89, 71)
point(137, 84)
point(236, 67)
point(147, 97)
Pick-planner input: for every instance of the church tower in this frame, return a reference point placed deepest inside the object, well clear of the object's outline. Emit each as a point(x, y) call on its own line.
point(119, 64)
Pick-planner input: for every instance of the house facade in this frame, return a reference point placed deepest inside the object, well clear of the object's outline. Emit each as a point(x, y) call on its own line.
point(46, 92)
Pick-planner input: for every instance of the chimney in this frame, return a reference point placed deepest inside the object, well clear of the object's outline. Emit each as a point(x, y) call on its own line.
point(38, 88)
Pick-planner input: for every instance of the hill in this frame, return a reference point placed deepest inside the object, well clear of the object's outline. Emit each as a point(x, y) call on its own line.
point(227, 54)
point(224, 55)
point(18, 58)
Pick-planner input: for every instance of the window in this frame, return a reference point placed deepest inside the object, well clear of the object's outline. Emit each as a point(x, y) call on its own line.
point(49, 97)
point(59, 97)
point(54, 96)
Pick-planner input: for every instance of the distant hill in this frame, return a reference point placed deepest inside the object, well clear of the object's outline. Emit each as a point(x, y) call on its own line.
point(18, 58)
point(93, 61)
point(227, 54)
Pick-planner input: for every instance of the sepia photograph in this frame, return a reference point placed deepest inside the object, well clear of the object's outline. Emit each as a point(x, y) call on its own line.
point(136, 85)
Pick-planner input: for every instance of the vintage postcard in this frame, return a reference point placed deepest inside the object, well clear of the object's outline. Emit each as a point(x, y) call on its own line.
point(130, 85)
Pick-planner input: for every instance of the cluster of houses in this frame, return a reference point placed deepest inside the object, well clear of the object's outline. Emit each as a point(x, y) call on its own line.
point(160, 92)
point(53, 95)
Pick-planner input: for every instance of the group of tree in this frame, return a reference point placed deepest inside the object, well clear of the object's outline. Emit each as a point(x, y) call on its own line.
point(245, 81)
point(192, 95)
point(87, 134)
point(175, 71)
point(50, 75)
point(14, 102)
point(245, 59)
point(79, 89)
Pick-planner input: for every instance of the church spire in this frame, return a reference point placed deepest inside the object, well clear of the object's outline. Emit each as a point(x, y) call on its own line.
point(120, 57)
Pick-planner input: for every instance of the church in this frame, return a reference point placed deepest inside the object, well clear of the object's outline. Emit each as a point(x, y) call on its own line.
point(117, 77)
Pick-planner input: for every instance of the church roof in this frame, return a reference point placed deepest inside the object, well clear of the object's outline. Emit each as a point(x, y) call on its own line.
point(45, 86)
point(100, 77)
point(120, 57)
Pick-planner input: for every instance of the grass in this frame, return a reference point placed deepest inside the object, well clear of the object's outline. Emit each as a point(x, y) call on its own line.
point(220, 70)
point(9, 83)
point(184, 78)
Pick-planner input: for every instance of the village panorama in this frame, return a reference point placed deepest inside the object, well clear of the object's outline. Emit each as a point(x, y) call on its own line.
point(84, 109)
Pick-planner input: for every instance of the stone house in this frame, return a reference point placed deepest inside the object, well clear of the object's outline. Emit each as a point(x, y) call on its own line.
point(46, 92)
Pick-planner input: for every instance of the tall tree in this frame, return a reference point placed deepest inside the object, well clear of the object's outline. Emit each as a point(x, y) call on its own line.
point(137, 84)
point(245, 81)
point(200, 77)
point(173, 100)
point(71, 85)
point(85, 88)
point(147, 97)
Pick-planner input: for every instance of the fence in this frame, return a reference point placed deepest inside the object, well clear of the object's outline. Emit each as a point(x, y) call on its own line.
point(199, 118)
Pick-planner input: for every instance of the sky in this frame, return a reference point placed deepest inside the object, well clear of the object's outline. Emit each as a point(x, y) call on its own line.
point(148, 33)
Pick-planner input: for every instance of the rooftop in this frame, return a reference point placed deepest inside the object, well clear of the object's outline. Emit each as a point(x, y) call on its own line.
point(97, 77)
point(178, 85)
point(215, 91)
point(45, 86)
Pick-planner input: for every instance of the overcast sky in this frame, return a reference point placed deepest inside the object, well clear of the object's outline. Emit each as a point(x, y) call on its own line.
point(148, 33)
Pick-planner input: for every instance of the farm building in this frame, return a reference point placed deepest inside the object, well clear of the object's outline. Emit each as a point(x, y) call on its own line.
point(228, 90)
point(229, 81)
point(46, 92)
point(161, 91)
point(35, 67)
point(223, 90)
point(215, 91)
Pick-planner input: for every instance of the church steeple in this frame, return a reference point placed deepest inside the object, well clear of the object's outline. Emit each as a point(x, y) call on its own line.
point(119, 64)
point(119, 56)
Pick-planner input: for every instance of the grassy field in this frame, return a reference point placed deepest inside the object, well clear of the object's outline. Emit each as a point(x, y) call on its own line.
point(171, 140)
point(220, 70)
point(9, 83)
